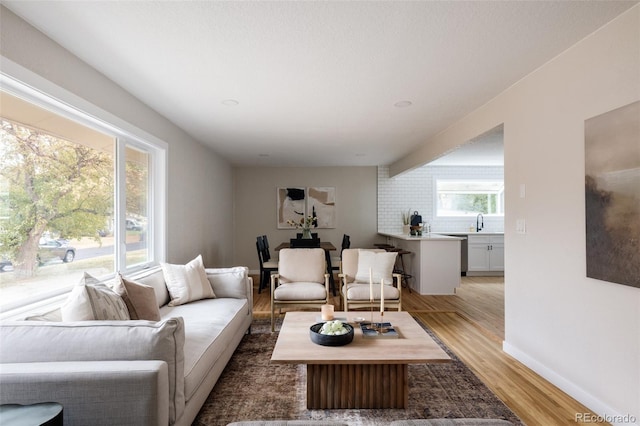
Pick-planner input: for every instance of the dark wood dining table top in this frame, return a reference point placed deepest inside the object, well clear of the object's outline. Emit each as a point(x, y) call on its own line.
point(327, 246)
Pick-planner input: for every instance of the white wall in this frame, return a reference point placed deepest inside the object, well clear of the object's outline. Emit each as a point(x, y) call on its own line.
point(582, 334)
point(415, 191)
point(199, 221)
point(255, 206)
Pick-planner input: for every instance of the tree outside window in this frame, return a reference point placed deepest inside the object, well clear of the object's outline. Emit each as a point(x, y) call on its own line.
point(58, 189)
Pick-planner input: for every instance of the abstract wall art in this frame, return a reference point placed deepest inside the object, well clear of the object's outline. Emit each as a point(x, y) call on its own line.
point(291, 205)
point(612, 195)
point(295, 203)
point(321, 203)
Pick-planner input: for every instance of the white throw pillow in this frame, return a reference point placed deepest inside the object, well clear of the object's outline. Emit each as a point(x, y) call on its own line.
point(379, 263)
point(187, 283)
point(92, 300)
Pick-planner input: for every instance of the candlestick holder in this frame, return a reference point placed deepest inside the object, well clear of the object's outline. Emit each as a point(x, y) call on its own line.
point(372, 324)
point(378, 327)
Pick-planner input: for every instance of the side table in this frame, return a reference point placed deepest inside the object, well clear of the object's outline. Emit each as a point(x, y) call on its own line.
point(43, 414)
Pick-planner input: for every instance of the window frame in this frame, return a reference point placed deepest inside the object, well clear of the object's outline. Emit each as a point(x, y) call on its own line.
point(466, 180)
point(61, 102)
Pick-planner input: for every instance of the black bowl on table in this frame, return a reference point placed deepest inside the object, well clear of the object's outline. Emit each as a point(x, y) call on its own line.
point(328, 339)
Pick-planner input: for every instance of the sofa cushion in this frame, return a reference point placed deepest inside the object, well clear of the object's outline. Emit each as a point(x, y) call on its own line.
point(302, 265)
point(38, 341)
point(93, 300)
point(300, 291)
point(358, 291)
point(376, 266)
point(139, 298)
point(211, 325)
point(187, 283)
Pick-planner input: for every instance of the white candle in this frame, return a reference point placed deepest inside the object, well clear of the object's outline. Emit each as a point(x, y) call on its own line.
point(370, 285)
point(326, 312)
point(382, 295)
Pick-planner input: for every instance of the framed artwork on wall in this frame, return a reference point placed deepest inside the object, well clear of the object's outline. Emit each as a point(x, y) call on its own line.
point(290, 204)
point(321, 203)
point(612, 195)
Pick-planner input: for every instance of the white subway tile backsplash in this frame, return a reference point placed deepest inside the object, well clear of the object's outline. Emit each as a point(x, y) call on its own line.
point(414, 191)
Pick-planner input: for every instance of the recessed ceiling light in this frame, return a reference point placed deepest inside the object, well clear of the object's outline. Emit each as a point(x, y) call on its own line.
point(230, 102)
point(403, 104)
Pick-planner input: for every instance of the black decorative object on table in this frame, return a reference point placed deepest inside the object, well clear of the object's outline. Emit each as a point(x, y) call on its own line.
point(416, 219)
point(328, 339)
point(42, 414)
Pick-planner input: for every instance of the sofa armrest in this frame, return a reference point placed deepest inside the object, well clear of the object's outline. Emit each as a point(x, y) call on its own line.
point(86, 341)
point(92, 392)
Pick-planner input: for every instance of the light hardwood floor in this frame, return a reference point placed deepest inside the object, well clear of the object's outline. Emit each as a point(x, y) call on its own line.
point(471, 324)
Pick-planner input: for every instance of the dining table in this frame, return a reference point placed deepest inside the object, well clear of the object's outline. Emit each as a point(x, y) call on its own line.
point(328, 247)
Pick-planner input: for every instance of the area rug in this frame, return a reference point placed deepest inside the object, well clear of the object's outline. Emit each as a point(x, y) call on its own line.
point(251, 388)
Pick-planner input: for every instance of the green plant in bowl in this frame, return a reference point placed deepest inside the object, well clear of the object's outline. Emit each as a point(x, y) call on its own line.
point(336, 333)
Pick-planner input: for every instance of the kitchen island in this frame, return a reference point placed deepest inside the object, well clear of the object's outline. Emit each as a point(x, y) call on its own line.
point(434, 262)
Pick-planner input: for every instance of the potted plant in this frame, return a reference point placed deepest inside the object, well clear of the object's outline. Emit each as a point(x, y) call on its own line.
point(305, 224)
point(406, 218)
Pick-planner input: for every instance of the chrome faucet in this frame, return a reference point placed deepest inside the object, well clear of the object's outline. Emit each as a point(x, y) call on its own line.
point(479, 222)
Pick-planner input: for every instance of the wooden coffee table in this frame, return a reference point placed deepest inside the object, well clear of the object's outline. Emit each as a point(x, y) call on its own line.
point(367, 373)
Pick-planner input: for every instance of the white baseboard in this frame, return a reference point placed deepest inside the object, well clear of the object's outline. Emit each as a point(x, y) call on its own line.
point(598, 407)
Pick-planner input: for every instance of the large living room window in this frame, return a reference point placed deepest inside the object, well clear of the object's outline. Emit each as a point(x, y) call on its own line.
point(76, 195)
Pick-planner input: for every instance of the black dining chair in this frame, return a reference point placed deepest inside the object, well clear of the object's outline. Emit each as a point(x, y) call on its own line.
point(265, 240)
point(267, 266)
point(335, 260)
point(304, 243)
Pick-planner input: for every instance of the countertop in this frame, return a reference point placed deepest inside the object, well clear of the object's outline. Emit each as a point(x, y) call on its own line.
point(425, 237)
point(470, 233)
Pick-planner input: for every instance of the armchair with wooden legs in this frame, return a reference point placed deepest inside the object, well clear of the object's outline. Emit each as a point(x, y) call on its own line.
point(301, 281)
point(354, 279)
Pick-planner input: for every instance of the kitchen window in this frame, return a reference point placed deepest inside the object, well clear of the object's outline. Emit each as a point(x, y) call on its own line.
point(469, 197)
point(76, 195)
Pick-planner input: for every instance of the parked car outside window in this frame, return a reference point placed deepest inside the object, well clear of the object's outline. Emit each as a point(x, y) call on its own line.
point(5, 265)
point(55, 249)
point(133, 225)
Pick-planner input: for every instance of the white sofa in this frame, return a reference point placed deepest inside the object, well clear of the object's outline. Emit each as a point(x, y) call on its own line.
point(132, 372)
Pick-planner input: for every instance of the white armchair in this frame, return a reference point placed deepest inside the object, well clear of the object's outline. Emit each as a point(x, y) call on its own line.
point(301, 280)
point(354, 279)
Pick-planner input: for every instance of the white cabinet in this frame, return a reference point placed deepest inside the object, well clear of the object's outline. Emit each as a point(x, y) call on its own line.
point(485, 253)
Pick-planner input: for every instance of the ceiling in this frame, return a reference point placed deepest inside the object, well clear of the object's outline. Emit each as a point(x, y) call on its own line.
point(316, 83)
